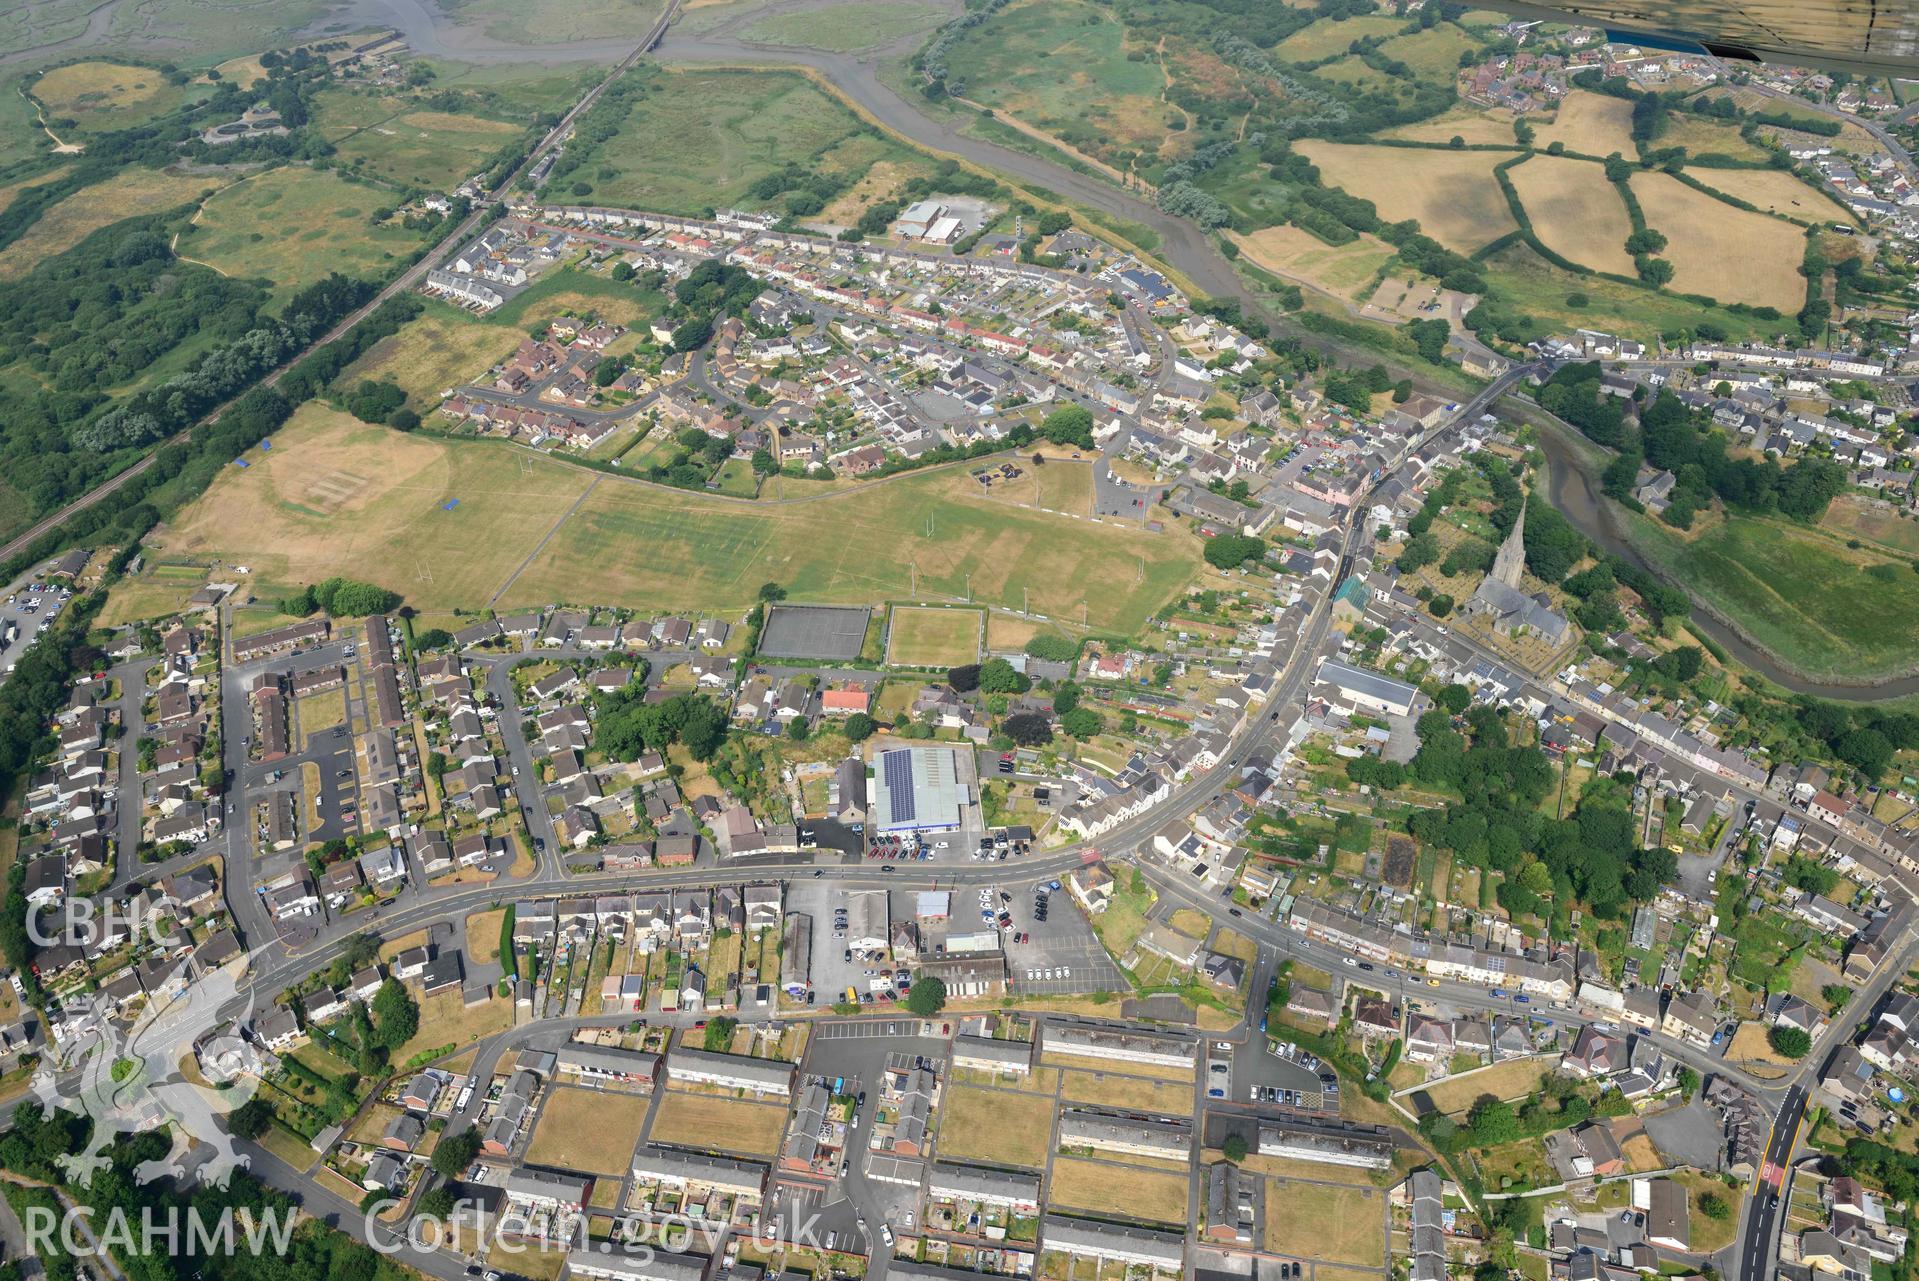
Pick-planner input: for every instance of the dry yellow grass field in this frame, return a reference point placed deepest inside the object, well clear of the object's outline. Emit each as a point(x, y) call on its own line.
point(1593, 124)
point(11, 192)
point(1108, 1189)
point(1333, 1223)
point(436, 351)
point(1773, 190)
point(84, 90)
point(1115, 1090)
point(334, 493)
point(1722, 252)
point(1510, 1080)
point(1700, 136)
point(335, 496)
point(999, 1127)
point(1453, 194)
point(446, 1019)
point(1341, 270)
point(129, 193)
point(1154, 1071)
point(708, 1121)
point(1461, 122)
point(1752, 1044)
point(1575, 211)
point(591, 1131)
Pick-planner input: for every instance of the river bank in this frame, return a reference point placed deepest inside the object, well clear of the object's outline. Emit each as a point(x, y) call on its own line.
point(1572, 486)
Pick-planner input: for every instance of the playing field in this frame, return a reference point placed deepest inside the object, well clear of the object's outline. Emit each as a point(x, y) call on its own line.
point(1773, 190)
point(1575, 211)
point(1453, 194)
point(1720, 251)
point(335, 496)
point(591, 1131)
point(1104, 1188)
point(129, 192)
point(1593, 124)
point(98, 96)
point(1060, 485)
point(1299, 255)
point(641, 544)
point(1331, 1222)
point(921, 637)
point(815, 631)
point(1820, 606)
point(711, 1122)
point(293, 225)
point(995, 1127)
point(703, 138)
point(841, 28)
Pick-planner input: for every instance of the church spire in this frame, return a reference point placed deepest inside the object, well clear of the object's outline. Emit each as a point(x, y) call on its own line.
point(1511, 560)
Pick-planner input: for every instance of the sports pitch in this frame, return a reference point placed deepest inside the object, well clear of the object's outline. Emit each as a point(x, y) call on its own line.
point(335, 496)
point(920, 636)
point(814, 631)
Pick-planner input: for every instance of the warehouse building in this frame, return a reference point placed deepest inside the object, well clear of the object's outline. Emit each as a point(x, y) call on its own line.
point(917, 789)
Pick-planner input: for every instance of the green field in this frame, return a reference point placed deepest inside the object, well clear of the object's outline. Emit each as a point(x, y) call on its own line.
point(841, 28)
point(636, 544)
point(1325, 38)
point(434, 352)
point(129, 192)
point(547, 22)
point(1872, 521)
point(1539, 289)
point(919, 637)
point(1433, 54)
point(699, 140)
point(99, 96)
point(1822, 608)
point(335, 496)
point(291, 226)
point(396, 140)
point(1061, 66)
